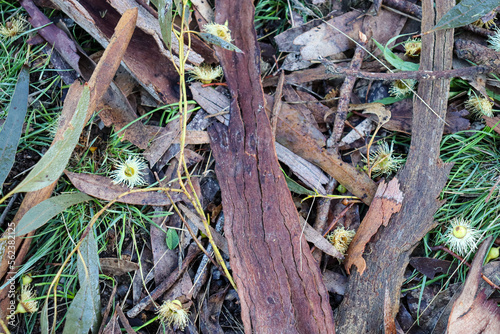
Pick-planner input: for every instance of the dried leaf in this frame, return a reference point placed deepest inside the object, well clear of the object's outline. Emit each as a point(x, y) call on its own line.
point(219, 42)
point(383, 114)
point(52, 34)
point(430, 266)
point(104, 188)
point(13, 126)
point(84, 310)
point(387, 201)
point(465, 12)
point(493, 123)
point(52, 164)
point(113, 327)
point(116, 267)
point(472, 312)
point(43, 212)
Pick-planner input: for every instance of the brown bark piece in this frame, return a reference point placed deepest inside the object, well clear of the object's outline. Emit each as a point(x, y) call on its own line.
point(422, 179)
point(472, 313)
point(279, 283)
point(387, 202)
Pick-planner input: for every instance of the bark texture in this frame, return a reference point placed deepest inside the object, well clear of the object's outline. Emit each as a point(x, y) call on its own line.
point(422, 179)
point(279, 283)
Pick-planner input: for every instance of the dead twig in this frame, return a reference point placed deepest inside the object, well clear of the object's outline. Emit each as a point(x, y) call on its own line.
point(461, 259)
point(273, 117)
point(334, 222)
point(417, 75)
point(108, 308)
point(345, 94)
point(193, 251)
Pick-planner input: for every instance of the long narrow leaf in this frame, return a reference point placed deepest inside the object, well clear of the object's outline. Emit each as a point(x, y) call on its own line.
point(52, 164)
point(13, 126)
point(465, 12)
point(83, 312)
point(165, 20)
point(43, 212)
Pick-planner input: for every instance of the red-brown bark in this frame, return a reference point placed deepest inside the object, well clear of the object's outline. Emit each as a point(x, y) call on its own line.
point(279, 283)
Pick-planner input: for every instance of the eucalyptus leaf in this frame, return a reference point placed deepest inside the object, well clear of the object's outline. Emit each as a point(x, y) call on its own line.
point(466, 12)
point(83, 313)
point(44, 318)
point(394, 60)
point(297, 188)
point(165, 20)
point(43, 212)
point(219, 41)
point(13, 126)
point(52, 164)
point(172, 238)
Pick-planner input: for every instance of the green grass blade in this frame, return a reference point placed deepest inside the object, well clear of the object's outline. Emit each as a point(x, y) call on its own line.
point(52, 164)
point(43, 212)
point(13, 127)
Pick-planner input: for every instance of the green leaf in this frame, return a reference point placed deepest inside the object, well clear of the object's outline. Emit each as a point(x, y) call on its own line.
point(52, 164)
point(44, 318)
point(172, 238)
point(84, 310)
point(394, 60)
point(466, 12)
point(43, 212)
point(297, 188)
point(219, 41)
point(165, 20)
point(13, 126)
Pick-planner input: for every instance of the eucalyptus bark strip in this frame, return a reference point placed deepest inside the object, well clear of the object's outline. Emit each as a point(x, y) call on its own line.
point(279, 283)
point(422, 180)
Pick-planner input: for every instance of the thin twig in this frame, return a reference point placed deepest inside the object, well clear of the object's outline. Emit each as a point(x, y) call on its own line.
point(335, 221)
point(273, 118)
point(345, 94)
point(108, 308)
point(417, 75)
point(193, 251)
point(461, 259)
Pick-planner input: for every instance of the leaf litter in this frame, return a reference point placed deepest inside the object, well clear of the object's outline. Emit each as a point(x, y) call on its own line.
point(301, 136)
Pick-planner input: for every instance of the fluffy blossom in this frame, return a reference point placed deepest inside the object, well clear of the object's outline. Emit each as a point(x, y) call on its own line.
point(413, 47)
point(173, 314)
point(480, 106)
point(341, 238)
point(220, 30)
point(384, 161)
point(130, 172)
point(461, 237)
point(14, 27)
point(27, 302)
point(403, 87)
point(494, 40)
point(206, 74)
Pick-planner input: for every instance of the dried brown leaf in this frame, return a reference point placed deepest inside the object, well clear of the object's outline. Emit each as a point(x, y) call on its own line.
point(472, 312)
point(387, 201)
point(104, 188)
point(116, 267)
